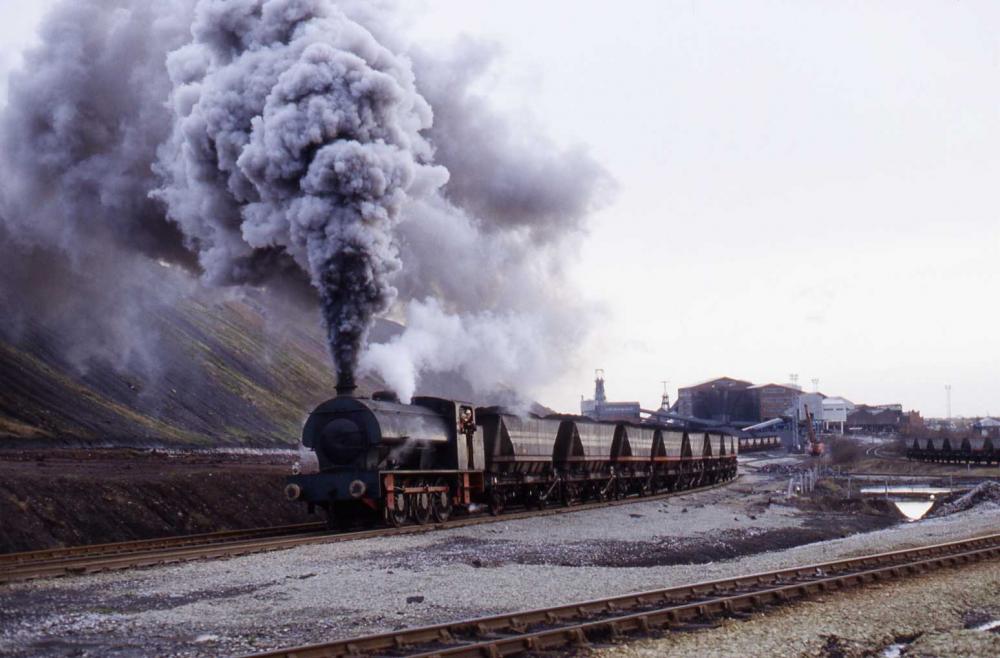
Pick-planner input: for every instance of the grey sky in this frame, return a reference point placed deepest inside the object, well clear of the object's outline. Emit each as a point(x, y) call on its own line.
point(804, 187)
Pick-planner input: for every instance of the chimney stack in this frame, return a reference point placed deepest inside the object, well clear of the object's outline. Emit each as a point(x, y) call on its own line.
point(345, 384)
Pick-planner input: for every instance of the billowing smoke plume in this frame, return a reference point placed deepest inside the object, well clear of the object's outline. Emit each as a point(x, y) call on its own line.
point(280, 143)
point(298, 135)
point(79, 235)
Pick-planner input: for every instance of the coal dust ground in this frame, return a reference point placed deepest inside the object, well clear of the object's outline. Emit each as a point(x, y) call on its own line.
point(664, 551)
point(76, 497)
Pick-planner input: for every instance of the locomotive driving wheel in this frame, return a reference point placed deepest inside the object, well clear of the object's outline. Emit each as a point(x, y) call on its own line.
point(441, 505)
point(420, 506)
point(397, 515)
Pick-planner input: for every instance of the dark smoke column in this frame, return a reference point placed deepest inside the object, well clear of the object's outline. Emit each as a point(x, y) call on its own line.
point(297, 140)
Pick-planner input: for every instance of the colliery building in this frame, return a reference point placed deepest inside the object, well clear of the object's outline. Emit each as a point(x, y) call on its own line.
point(989, 427)
point(600, 409)
point(775, 400)
point(737, 401)
point(876, 419)
point(835, 412)
point(723, 399)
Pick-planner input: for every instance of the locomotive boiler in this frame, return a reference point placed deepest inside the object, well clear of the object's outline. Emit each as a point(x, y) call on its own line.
point(380, 460)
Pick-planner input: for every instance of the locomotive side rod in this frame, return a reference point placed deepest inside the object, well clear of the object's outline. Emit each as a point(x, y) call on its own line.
point(577, 624)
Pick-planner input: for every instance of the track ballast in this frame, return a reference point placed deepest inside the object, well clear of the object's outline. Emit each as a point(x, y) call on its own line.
point(563, 627)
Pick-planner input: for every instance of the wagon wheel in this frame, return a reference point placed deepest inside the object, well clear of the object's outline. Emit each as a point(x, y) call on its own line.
point(567, 494)
point(420, 508)
point(683, 480)
point(396, 516)
point(496, 503)
point(441, 505)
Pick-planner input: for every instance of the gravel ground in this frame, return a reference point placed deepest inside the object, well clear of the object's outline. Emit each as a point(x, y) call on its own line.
point(336, 590)
point(934, 615)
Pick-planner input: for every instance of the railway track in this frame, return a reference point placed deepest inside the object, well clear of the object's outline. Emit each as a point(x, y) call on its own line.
point(122, 555)
point(56, 562)
point(566, 627)
point(124, 548)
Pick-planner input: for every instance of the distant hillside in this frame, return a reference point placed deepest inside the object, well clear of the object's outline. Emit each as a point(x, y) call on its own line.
point(222, 379)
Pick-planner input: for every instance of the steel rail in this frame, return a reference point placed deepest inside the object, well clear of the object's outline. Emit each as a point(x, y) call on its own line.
point(577, 624)
point(134, 546)
point(180, 549)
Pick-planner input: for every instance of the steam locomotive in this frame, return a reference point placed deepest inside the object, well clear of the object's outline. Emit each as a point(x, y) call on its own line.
point(380, 460)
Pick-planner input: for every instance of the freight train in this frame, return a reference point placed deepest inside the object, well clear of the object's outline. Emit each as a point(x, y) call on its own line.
point(378, 460)
point(954, 450)
point(752, 443)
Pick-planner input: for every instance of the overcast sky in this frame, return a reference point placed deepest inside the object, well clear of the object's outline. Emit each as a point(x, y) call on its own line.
point(803, 187)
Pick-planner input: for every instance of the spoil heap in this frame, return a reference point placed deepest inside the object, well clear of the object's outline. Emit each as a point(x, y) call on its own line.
point(985, 492)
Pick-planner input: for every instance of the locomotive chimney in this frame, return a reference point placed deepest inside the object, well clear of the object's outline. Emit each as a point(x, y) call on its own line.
point(345, 384)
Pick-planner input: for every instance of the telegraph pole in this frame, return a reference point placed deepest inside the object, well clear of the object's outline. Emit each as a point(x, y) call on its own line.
point(947, 395)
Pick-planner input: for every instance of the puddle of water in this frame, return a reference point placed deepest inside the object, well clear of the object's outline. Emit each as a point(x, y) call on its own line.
point(906, 489)
point(894, 650)
point(914, 510)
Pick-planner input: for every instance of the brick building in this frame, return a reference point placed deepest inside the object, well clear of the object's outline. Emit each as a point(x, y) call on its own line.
point(775, 400)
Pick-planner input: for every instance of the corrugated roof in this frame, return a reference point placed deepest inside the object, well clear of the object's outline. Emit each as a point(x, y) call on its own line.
point(785, 386)
point(717, 379)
